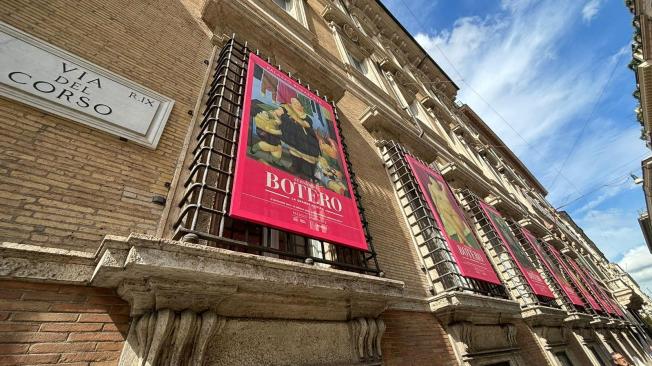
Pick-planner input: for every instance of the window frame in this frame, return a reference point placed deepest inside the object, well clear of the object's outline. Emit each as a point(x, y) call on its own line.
point(296, 9)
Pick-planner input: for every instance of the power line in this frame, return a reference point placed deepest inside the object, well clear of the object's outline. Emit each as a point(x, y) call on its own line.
point(461, 78)
point(608, 184)
point(626, 176)
point(503, 119)
point(586, 123)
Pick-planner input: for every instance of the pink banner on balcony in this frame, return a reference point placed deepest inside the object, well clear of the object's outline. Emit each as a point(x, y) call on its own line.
point(593, 286)
point(464, 246)
point(554, 270)
point(290, 171)
point(532, 276)
point(616, 307)
point(580, 286)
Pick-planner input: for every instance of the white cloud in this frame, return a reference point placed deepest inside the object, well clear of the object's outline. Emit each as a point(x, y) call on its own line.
point(528, 62)
point(591, 9)
point(506, 59)
point(638, 263)
point(615, 231)
point(514, 60)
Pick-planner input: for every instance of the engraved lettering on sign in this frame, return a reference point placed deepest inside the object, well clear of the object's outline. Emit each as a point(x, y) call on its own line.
point(39, 74)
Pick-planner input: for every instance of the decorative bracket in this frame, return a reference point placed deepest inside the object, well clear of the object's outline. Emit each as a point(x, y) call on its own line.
point(164, 337)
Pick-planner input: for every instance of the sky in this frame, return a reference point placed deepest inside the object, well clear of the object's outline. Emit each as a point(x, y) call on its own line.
point(550, 77)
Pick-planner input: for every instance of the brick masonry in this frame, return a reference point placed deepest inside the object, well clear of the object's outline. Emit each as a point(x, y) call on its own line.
point(530, 350)
point(397, 254)
point(60, 324)
point(414, 339)
point(65, 185)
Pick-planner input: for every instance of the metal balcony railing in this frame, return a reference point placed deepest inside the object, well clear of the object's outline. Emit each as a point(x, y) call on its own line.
point(563, 269)
point(437, 259)
point(204, 215)
point(561, 298)
point(509, 272)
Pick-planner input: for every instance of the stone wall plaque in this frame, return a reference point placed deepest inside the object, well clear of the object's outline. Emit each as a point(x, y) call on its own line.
point(46, 77)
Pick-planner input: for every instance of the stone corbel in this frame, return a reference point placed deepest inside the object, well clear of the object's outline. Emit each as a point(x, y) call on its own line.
point(388, 65)
point(462, 332)
point(428, 102)
point(552, 336)
point(165, 337)
point(456, 128)
point(569, 252)
point(510, 334)
point(367, 337)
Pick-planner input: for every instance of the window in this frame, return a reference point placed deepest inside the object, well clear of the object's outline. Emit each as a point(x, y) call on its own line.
point(563, 359)
point(294, 8)
point(284, 4)
point(504, 363)
point(364, 66)
point(596, 355)
point(358, 64)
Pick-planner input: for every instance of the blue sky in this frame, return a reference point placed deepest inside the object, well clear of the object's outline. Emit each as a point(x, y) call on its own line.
point(556, 73)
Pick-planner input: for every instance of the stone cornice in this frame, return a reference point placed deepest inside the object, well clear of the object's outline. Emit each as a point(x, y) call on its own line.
point(543, 315)
point(39, 263)
point(396, 39)
point(451, 307)
point(153, 273)
point(332, 13)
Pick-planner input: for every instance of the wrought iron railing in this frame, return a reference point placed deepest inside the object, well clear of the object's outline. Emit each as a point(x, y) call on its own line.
point(437, 260)
point(587, 309)
point(508, 270)
point(561, 300)
point(204, 208)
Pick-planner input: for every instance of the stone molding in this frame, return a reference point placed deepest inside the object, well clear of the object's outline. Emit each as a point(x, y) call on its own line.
point(151, 273)
point(543, 316)
point(165, 337)
point(367, 337)
point(578, 320)
point(452, 307)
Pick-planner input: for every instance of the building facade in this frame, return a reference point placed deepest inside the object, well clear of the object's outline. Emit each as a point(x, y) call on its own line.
point(640, 65)
point(392, 226)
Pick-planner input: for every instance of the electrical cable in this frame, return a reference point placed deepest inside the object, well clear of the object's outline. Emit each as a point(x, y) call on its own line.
point(608, 184)
point(586, 123)
point(459, 74)
point(461, 78)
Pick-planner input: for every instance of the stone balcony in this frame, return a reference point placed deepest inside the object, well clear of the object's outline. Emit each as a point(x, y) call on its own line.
point(152, 273)
point(554, 241)
point(185, 296)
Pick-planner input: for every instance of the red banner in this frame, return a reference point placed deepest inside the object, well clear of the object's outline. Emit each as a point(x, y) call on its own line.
point(290, 172)
point(611, 306)
point(464, 246)
point(587, 295)
point(590, 282)
point(554, 270)
point(532, 276)
point(616, 307)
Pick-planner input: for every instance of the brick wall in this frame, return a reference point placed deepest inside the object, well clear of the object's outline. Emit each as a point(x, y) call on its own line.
point(60, 324)
point(66, 185)
point(392, 239)
point(530, 350)
point(320, 27)
point(415, 339)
